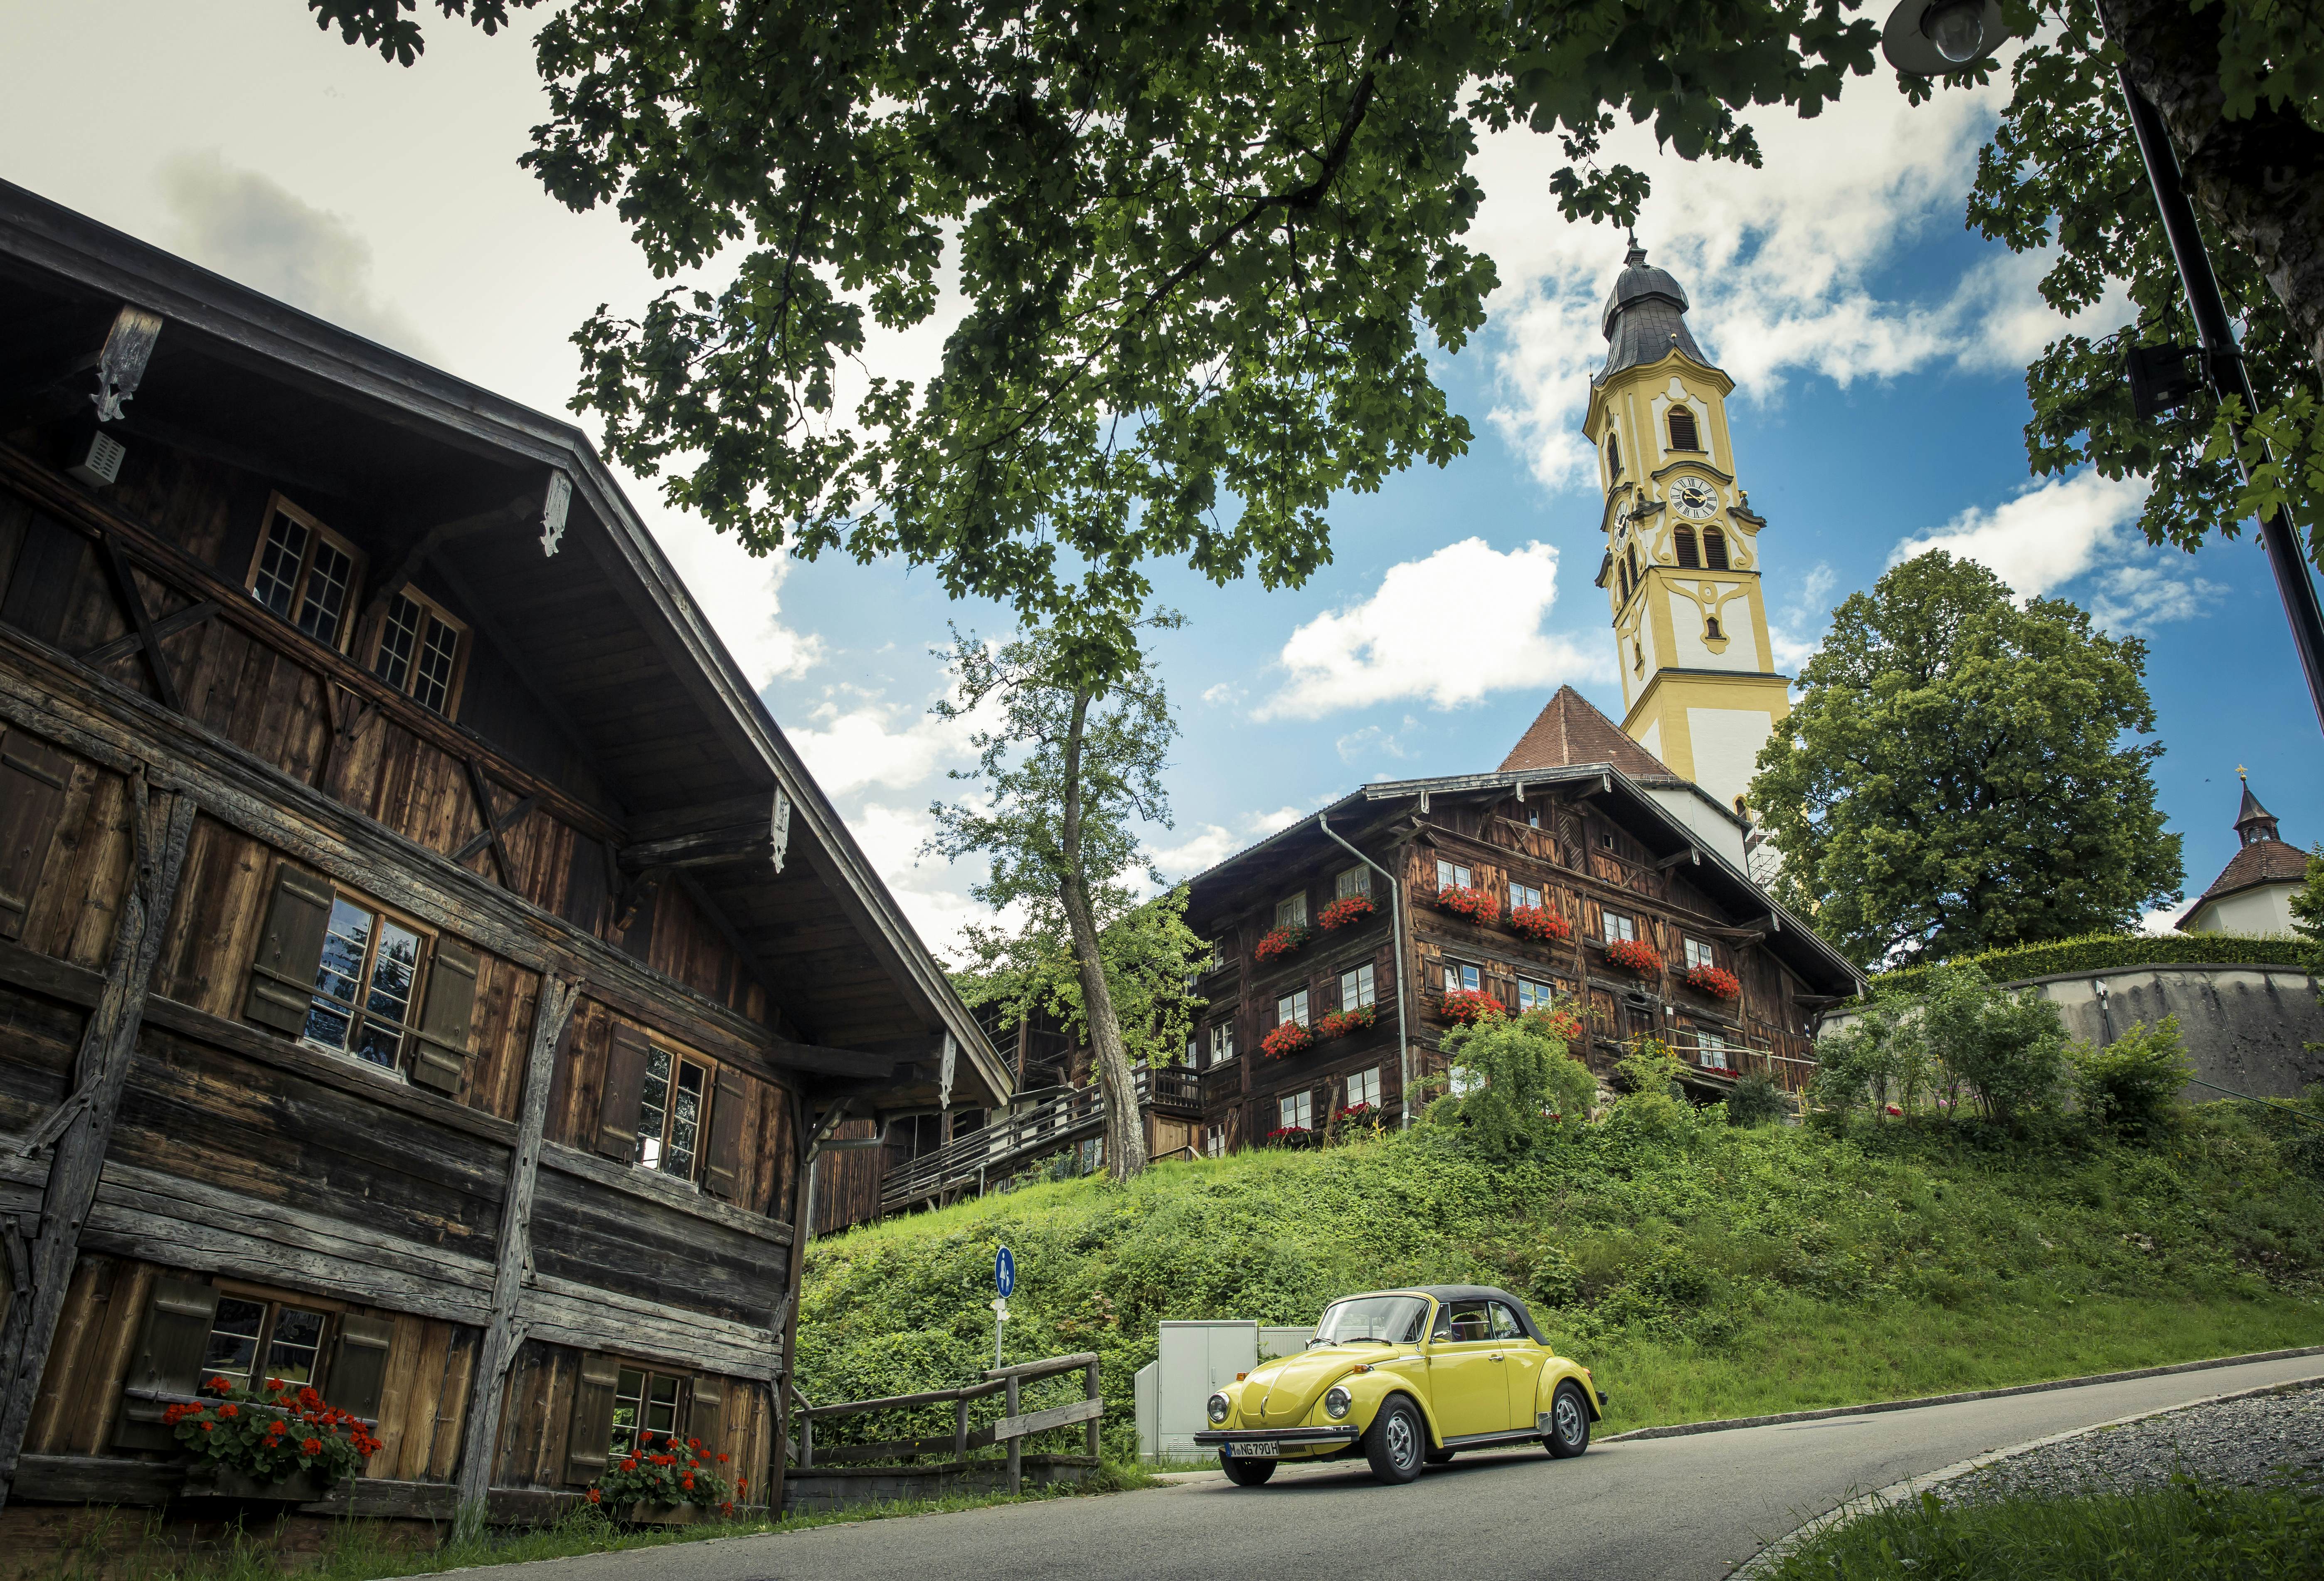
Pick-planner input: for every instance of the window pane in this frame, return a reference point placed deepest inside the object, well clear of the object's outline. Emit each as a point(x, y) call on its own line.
point(662, 1405)
point(653, 1108)
point(1364, 1087)
point(278, 565)
point(328, 581)
point(685, 1123)
point(399, 640)
point(392, 973)
point(233, 1340)
point(1619, 927)
point(628, 1405)
point(1292, 912)
point(1532, 995)
point(290, 1351)
point(1299, 1007)
point(1355, 881)
point(432, 686)
point(338, 979)
point(1505, 1323)
point(1459, 976)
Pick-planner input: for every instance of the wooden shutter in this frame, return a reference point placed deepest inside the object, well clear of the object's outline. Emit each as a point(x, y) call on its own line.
point(283, 977)
point(591, 1435)
point(625, 1081)
point(440, 1046)
point(359, 1365)
point(168, 1359)
point(723, 1169)
point(34, 776)
point(706, 1418)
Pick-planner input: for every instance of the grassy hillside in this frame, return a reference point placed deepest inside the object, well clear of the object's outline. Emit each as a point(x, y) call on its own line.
point(1700, 1270)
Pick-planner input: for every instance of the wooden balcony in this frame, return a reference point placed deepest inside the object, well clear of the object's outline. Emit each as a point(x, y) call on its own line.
point(995, 1151)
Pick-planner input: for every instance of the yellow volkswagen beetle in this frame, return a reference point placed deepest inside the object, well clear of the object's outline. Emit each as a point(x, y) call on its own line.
point(1406, 1378)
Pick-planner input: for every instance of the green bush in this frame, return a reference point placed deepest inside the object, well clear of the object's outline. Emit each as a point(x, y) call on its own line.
point(2131, 1085)
point(1960, 1041)
point(2105, 951)
point(1525, 1072)
point(1756, 1100)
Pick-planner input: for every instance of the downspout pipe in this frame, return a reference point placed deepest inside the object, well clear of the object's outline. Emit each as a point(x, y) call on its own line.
point(1396, 920)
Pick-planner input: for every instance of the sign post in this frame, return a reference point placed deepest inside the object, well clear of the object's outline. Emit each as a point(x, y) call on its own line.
point(1004, 1279)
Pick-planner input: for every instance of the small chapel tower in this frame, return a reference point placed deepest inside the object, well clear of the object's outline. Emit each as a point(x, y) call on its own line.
point(1682, 566)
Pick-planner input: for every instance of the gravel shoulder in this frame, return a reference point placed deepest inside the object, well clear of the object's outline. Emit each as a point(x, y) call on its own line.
point(2228, 1442)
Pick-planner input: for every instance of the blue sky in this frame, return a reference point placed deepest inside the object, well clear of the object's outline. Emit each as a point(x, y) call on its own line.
point(1878, 347)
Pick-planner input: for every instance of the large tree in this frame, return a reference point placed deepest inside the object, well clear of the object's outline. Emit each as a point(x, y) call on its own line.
point(1067, 775)
point(1960, 773)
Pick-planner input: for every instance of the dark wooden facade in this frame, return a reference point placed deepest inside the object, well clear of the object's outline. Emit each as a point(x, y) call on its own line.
point(565, 866)
point(1593, 842)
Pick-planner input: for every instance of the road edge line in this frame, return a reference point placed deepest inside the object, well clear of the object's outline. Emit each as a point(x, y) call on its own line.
point(1770, 1555)
point(1920, 1403)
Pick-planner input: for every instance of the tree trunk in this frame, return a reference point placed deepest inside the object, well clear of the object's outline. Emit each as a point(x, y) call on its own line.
point(2260, 179)
point(1125, 1129)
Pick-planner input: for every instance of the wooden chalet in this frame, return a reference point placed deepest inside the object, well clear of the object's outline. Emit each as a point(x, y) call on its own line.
point(1617, 856)
point(426, 970)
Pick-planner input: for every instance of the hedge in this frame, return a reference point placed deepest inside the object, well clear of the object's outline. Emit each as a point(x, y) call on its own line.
point(2108, 951)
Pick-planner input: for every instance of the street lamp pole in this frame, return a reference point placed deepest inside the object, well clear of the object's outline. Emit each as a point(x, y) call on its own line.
point(2223, 361)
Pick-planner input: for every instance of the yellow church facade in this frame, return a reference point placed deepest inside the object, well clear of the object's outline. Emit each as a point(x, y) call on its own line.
point(1681, 571)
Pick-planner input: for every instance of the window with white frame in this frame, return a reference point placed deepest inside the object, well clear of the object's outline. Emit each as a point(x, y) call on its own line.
point(1532, 995)
point(1364, 1087)
point(1460, 976)
point(1356, 987)
point(1524, 894)
point(1214, 1141)
point(366, 984)
point(1698, 954)
point(670, 1112)
point(305, 573)
point(1291, 911)
point(1619, 926)
point(1295, 1109)
point(1292, 1007)
point(1453, 875)
point(1352, 880)
point(1712, 1048)
point(1222, 1042)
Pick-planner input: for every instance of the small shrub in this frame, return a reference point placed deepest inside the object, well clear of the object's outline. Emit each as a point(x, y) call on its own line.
point(1463, 902)
point(2131, 1085)
point(668, 1471)
point(1339, 1023)
point(1556, 1279)
point(1541, 923)
point(1469, 1006)
point(1756, 1100)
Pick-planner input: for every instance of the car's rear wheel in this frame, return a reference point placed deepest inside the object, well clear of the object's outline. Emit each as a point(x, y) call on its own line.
point(1569, 1423)
point(1246, 1474)
point(1398, 1443)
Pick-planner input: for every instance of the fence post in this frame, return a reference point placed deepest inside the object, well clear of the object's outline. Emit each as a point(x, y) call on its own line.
point(1089, 1376)
point(807, 1440)
point(960, 1429)
point(1015, 1445)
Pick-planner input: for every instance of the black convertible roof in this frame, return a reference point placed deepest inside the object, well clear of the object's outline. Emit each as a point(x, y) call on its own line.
point(1446, 1294)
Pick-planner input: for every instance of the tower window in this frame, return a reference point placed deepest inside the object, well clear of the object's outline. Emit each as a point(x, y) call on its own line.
point(1624, 570)
point(1714, 549)
point(1711, 628)
point(1613, 453)
point(1638, 663)
point(1632, 553)
point(1682, 541)
point(1683, 436)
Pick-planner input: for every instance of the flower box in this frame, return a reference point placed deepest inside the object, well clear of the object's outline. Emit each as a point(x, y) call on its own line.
point(1539, 922)
point(223, 1482)
point(666, 1482)
point(246, 1441)
point(1277, 942)
point(1715, 981)
point(1347, 911)
point(1462, 900)
point(1467, 1006)
point(1290, 1136)
point(1559, 1023)
point(1288, 1039)
point(645, 1512)
point(1634, 954)
point(1339, 1023)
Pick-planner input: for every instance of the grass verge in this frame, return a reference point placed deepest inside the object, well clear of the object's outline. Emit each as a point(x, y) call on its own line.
point(2184, 1532)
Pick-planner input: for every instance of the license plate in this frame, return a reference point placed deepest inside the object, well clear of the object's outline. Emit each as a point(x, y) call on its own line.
point(1253, 1451)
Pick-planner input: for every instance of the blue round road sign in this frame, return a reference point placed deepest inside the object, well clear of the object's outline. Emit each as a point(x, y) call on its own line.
point(1004, 1273)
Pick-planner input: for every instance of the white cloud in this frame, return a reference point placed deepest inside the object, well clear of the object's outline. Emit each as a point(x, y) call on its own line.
point(1205, 847)
point(1373, 743)
point(2163, 924)
point(740, 593)
point(1226, 693)
point(2049, 534)
point(253, 229)
point(1795, 634)
point(2139, 595)
point(878, 744)
point(1464, 621)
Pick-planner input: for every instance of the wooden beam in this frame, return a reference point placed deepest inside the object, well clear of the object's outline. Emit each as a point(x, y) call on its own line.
point(141, 620)
point(81, 1127)
point(1693, 856)
point(498, 826)
point(483, 793)
point(506, 513)
point(751, 829)
point(121, 363)
point(552, 1011)
point(168, 626)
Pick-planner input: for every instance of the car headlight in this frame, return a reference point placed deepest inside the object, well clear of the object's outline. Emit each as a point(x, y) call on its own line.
point(1338, 1402)
point(1218, 1408)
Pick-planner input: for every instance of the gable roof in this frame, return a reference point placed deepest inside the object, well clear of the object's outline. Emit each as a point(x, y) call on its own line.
point(2253, 866)
point(1569, 730)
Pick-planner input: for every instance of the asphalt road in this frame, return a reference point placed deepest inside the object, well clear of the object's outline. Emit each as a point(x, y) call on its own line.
point(1680, 1508)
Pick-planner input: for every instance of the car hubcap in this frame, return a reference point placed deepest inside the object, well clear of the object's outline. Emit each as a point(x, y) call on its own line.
point(1402, 1443)
point(1568, 1418)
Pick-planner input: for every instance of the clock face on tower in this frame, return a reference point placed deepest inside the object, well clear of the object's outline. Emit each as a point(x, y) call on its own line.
point(1691, 498)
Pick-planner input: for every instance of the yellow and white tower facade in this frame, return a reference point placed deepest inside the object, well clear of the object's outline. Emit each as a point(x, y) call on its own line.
point(1681, 572)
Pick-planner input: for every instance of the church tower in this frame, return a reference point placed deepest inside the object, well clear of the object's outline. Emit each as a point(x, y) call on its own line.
point(1682, 568)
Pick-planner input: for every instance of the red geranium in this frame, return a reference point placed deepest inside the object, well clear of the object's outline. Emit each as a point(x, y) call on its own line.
point(1288, 1039)
point(643, 1476)
point(1462, 901)
point(1560, 1023)
point(1341, 1022)
point(1278, 941)
point(1346, 910)
point(1635, 954)
point(1289, 1136)
point(1542, 923)
point(1715, 981)
point(249, 1432)
point(1467, 1006)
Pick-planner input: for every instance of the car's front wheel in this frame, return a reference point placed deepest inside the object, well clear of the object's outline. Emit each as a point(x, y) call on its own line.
point(1244, 1472)
point(1569, 1423)
point(1398, 1443)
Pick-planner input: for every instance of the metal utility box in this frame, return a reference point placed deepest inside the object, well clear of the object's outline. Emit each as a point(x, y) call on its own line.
point(1283, 1341)
point(1196, 1358)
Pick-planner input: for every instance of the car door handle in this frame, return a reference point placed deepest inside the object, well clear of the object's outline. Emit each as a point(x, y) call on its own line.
point(1499, 1357)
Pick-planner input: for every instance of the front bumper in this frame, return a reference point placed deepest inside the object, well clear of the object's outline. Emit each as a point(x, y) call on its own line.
point(1224, 1437)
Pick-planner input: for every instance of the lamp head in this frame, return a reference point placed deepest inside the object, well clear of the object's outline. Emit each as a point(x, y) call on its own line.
point(1936, 38)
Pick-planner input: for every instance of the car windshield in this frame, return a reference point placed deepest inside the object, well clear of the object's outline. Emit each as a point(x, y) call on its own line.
point(1391, 1320)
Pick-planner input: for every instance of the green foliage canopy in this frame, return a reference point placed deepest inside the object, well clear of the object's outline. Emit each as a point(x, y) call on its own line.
point(1955, 777)
point(1151, 957)
point(1522, 1072)
point(1961, 1041)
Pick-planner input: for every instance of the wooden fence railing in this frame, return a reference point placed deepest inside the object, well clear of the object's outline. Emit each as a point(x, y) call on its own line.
point(999, 1147)
point(1014, 1429)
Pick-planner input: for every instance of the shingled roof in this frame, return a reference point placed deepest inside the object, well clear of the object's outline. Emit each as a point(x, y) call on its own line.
point(2262, 859)
point(1569, 731)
